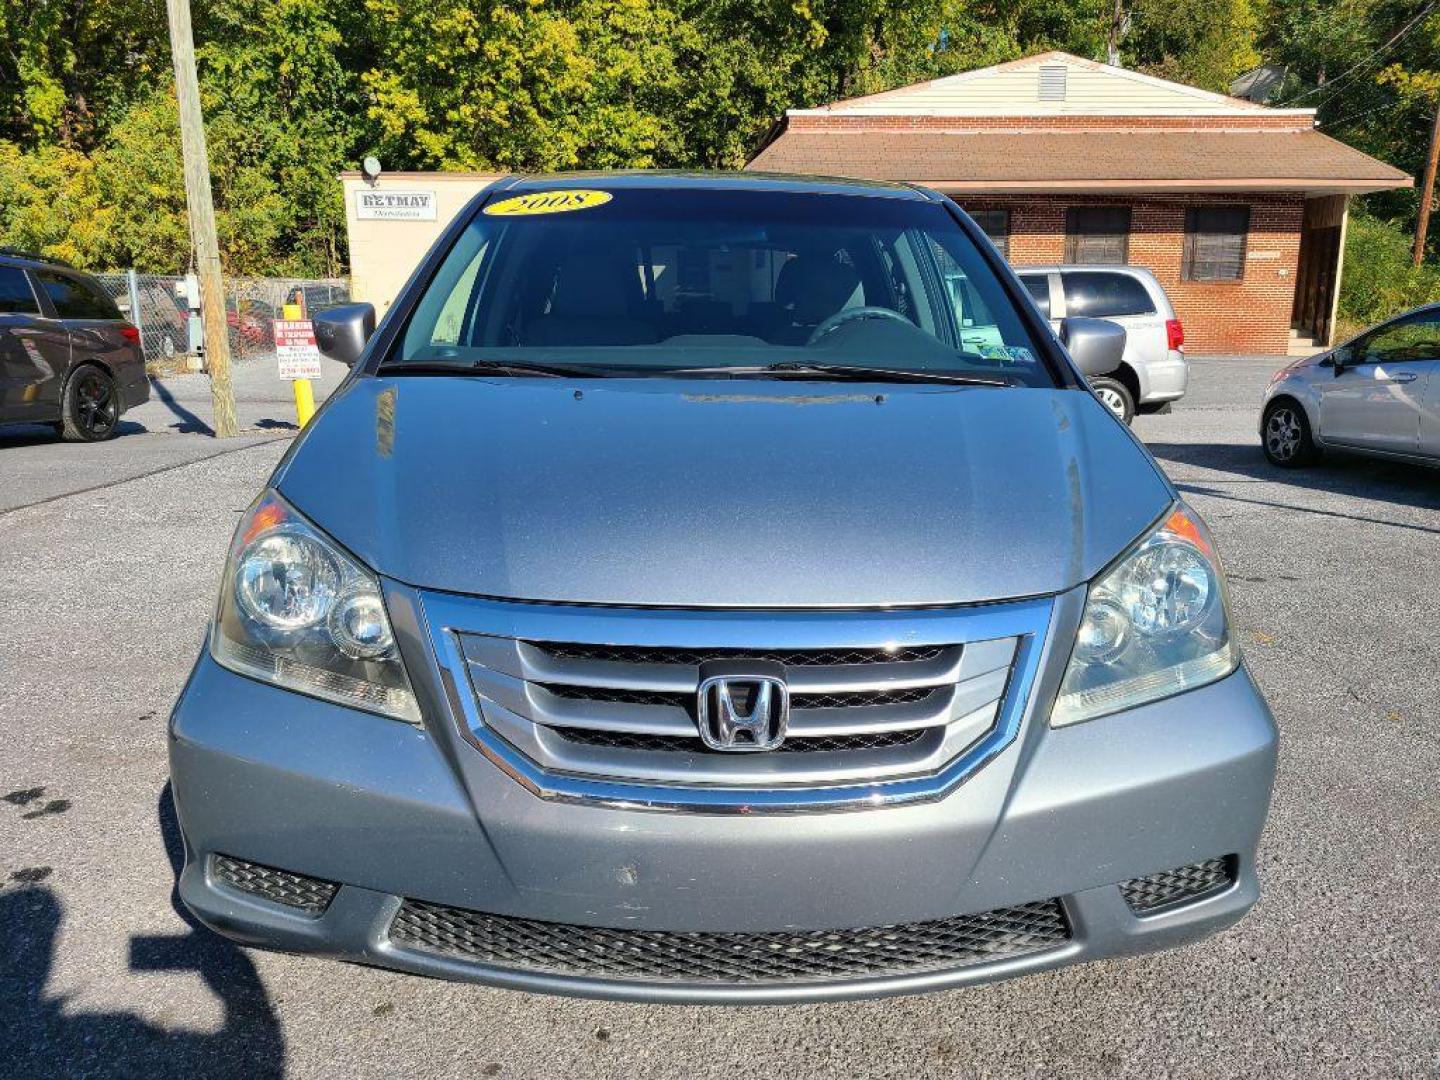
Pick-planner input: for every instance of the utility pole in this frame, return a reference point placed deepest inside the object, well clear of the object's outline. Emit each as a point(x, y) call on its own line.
point(201, 206)
point(1427, 189)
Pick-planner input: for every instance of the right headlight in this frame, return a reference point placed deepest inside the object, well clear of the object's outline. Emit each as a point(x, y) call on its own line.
point(1156, 623)
point(299, 612)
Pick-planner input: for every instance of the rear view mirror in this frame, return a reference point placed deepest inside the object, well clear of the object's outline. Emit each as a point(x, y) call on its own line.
point(341, 332)
point(1096, 345)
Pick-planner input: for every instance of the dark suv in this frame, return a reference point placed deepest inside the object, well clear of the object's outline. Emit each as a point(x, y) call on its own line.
point(67, 356)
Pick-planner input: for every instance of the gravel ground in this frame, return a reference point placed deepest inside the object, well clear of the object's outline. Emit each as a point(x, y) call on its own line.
point(107, 576)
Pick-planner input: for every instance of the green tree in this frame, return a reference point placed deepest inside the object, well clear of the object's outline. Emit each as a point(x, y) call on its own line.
point(1372, 69)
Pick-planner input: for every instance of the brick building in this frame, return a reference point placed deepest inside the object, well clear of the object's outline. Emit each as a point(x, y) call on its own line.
point(1237, 208)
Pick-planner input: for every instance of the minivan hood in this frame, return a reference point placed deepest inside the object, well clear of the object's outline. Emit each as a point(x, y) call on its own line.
point(711, 492)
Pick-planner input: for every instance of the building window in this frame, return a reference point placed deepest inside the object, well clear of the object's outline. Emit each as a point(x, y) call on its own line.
point(1215, 243)
point(1097, 234)
point(996, 225)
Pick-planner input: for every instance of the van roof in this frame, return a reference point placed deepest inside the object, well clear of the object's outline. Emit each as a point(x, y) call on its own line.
point(719, 181)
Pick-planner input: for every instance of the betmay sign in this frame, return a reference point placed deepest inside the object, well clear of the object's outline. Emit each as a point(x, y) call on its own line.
point(394, 205)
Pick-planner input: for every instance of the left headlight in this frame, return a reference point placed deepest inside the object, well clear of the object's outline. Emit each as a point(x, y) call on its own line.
point(1156, 623)
point(297, 611)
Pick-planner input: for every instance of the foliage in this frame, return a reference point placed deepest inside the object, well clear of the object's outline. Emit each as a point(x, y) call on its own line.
point(1378, 279)
point(297, 90)
point(1372, 69)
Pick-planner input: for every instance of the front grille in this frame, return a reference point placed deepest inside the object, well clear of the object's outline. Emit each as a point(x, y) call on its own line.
point(635, 740)
point(706, 957)
point(646, 654)
point(685, 699)
point(858, 715)
point(278, 886)
point(1182, 884)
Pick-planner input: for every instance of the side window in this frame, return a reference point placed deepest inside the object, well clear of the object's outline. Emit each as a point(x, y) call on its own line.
point(1097, 234)
point(16, 297)
point(1415, 338)
point(1104, 296)
point(1038, 286)
point(76, 299)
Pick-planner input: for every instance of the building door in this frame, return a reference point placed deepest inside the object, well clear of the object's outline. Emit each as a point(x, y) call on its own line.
point(1318, 273)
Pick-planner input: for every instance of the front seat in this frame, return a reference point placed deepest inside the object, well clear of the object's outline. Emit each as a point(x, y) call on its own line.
point(809, 289)
point(591, 305)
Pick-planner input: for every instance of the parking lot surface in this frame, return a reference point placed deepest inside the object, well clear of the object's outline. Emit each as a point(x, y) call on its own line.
point(110, 556)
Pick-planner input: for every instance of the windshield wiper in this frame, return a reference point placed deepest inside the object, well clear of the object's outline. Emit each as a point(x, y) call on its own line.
point(493, 367)
point(857, 373)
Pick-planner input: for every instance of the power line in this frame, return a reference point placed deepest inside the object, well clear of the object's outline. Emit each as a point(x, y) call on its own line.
point(1395, 40)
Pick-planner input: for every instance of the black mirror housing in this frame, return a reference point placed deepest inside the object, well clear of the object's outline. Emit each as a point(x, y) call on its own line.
point(1096, 345)
point(341, 332)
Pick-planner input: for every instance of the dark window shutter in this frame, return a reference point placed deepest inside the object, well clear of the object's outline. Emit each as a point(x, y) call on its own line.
point(996, 225)
point(1097, 234)
point(1215, 241)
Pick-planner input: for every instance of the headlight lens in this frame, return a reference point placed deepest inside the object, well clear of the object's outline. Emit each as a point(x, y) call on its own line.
point(298, 612)
point(1155, 623)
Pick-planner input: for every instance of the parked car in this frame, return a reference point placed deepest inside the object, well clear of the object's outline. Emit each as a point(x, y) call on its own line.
point(67, 357)
point(1377, 394)
point(1154, 371)
point(700, 619)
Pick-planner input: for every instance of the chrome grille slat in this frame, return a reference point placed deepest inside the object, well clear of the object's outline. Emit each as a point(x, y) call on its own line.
point(536, 663)
point(691, 744)
point(683, 699)
point(653, 654)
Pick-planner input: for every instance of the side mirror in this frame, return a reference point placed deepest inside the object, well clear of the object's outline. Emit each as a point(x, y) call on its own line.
point(341, 332)
point(1096, 345)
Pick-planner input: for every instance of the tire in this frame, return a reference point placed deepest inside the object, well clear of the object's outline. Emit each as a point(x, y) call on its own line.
point(1285, 436)
point(1115, 396)
point(90, 406)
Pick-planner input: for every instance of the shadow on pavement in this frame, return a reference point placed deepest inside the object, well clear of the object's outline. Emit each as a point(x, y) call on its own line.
point(41, 1036)
point(40, 434)
point(1335, 474)
point(190, 423)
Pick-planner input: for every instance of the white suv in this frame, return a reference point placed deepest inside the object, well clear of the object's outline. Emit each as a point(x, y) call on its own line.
point(1154, 371)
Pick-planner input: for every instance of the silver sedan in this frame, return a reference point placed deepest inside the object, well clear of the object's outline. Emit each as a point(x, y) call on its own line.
point(1377, 394)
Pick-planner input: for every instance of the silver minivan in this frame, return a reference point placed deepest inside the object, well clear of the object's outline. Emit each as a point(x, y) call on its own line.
point(1154, 371)
point(686, 599)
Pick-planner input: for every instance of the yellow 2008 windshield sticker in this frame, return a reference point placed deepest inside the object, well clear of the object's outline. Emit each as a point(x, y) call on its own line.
point(548, 202)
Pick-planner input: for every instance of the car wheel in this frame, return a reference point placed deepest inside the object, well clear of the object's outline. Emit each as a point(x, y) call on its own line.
point(1286, 436)
point(90, 408)
point(1115, 396)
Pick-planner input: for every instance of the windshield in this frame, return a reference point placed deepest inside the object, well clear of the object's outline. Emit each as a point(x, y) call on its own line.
point(678, 280)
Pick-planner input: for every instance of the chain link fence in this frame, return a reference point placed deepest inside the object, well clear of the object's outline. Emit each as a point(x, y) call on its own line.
point(156, 303)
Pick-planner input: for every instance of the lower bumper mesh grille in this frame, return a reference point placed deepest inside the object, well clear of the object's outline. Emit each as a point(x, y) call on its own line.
point(1155, 891)
point(730, 958)
point(278, 886)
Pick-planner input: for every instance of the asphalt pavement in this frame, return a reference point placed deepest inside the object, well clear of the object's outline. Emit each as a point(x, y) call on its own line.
point(110, 556)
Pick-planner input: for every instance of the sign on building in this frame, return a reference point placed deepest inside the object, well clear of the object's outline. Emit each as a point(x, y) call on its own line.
point(296, 350)
point(395, 205)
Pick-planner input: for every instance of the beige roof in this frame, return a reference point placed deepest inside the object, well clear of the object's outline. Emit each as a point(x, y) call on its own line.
point(1014, 89)
point(1119, 160)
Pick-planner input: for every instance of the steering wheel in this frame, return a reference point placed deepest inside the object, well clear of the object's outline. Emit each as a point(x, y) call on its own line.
point(840, 318)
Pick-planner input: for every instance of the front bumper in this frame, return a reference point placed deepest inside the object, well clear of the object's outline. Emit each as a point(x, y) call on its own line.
point(391, 812)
